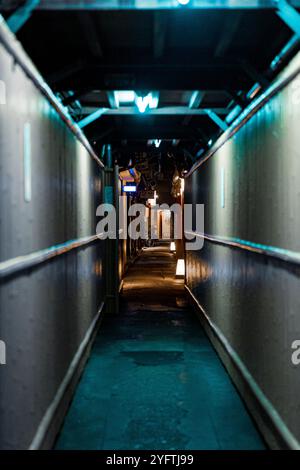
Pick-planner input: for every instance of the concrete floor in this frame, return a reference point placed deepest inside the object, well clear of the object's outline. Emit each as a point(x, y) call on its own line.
point(153, 380)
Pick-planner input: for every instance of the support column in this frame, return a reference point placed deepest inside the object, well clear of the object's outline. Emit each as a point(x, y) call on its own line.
point(111, 196)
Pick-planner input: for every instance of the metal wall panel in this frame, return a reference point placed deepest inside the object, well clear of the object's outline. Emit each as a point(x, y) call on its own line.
point(251, 191)
point(44, 312)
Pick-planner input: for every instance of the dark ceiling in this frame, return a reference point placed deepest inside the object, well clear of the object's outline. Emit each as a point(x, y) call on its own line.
point(85, 55)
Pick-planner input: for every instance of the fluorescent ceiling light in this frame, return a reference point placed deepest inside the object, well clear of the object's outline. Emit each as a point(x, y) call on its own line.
point(149, 101)
point(142, 104)
point(154, 100)
point(193, 99)
point(233, 114)
point(254, 90)
point(123, 97)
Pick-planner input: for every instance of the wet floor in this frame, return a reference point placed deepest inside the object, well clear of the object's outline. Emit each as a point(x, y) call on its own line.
point(153, 380)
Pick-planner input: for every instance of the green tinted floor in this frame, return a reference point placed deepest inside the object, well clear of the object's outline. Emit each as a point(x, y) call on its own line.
point(153, 380)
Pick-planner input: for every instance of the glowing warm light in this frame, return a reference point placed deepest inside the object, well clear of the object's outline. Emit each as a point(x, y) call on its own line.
point(180, 268)
point(152, 202)
point(172, 247)
point(182, 185)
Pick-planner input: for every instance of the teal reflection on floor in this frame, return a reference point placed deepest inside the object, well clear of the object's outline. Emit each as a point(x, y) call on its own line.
point(154, 381)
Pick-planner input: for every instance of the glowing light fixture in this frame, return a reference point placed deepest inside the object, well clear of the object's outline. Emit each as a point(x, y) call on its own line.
point(129, 188)
point(233, 114)
point(123, 97)
point(149, 101)
point(180, 268)
point(193, 99)
point(253, 92)
point(155, 142)
point(152, 202)
point(172, 247)
point(183, 2)
point(141, 104)
point(182, 181)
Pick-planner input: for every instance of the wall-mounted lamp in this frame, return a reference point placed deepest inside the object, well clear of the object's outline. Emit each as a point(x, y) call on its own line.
point(180, 268)
point(172, 247)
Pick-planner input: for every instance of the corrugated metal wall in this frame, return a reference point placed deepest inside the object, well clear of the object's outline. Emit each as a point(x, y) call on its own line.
point(49, 190)
point(251, 191)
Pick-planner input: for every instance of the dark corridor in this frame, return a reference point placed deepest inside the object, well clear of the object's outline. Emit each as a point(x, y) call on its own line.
point(153, 380)
point(149, 225)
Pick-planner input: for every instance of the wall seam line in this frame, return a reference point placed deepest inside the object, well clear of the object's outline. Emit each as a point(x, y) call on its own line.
point(21, 263)
point(286, 256)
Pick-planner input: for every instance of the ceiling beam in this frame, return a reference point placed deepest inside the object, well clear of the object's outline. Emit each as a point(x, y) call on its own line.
point(289, 15)
point(238, 99)
point(230, 28)
point(165, 111)
point(112, 99)
point(159, 34)
point(217, 120)
point(154, 77)
point(76, 96)
point(145, 133)
point(151, 4)
point(96, 103)
point(65, 73)
point(100, 135)
point(196, 99)
point(194, 103)
point(114, 104)
point(254, 75)
point(90, 34)
point(22, 14)
point(91, 118)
